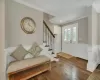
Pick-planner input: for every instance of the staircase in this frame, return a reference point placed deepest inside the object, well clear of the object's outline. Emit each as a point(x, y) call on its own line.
point(48, 42)
point(48, 37)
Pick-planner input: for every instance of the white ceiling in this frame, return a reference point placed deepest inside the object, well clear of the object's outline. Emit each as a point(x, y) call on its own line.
point(63, 10)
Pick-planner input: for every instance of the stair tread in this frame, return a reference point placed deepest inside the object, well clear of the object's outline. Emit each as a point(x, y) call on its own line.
point(46, 45)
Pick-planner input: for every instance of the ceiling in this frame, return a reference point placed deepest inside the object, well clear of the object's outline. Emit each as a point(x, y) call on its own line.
point(63, 10)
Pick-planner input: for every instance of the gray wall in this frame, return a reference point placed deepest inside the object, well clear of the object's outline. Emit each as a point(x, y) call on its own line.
point(82, 29)
point(93, 27)
point(14, 34)
point(99, 28)
point(2, 39)
point(93, 54)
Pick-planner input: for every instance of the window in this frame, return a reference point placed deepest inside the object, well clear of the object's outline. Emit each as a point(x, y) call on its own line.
point(71, 33)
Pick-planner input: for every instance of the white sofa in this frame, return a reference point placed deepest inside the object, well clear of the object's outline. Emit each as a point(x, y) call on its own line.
point(13, 65)
point(45, 52)
point(23, 64)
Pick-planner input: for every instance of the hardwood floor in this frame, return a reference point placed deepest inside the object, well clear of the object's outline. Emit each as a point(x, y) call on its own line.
point(64, 55)
point(66, 69)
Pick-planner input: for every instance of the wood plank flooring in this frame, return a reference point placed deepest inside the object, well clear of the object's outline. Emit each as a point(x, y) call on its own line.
point(66, 69)
point(64, 55)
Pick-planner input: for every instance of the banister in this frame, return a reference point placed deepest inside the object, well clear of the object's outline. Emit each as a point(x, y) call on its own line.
point(48, 29)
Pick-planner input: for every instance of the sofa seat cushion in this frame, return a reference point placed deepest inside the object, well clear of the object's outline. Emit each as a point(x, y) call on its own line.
point(18, 65)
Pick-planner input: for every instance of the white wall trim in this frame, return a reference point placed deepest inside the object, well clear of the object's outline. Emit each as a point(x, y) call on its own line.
point(2, 41)
point(93, 57)
point(91, 66)
point(77, 50)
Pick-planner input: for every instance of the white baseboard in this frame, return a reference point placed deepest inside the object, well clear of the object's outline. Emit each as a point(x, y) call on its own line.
point(92, 66)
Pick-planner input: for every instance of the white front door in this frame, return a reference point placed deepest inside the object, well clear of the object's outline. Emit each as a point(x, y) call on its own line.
point(69, 38)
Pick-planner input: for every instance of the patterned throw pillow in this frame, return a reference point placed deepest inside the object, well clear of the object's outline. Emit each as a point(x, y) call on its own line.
point(35, 50)
point(19, 53)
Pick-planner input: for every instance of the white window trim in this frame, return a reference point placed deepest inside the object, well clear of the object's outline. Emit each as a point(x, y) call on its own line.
point(76, 25)
point(71, 26)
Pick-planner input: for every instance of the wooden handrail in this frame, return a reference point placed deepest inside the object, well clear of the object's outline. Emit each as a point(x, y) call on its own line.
point(48, 29)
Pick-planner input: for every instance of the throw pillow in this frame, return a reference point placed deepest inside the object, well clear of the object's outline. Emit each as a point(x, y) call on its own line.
point(35, 50)
point(19, 53)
